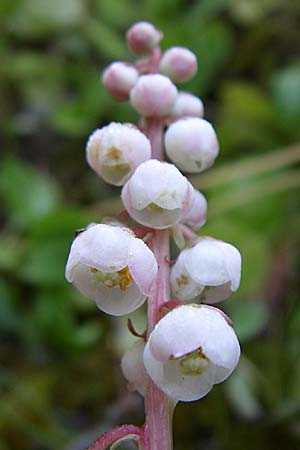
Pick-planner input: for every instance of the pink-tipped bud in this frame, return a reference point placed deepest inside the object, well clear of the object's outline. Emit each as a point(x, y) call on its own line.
point(153, 95)
point(142, 37)
point(187, 105)
point(178, 63)
point(119, 78)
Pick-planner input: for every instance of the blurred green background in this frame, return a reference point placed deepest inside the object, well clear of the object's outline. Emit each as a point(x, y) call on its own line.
point(60, 381)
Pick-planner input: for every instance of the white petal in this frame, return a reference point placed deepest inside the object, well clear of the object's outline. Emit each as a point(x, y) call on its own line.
point(101, 246)
point(133, 367)
point(196, 217)
point(214, 294)
point(157, 182)
point(219, 341)
point(205, 262)
point(168, 377)
point(111, 300)
point(177, 333)
point(233, 261)
point(183, 286)
point(142, 265)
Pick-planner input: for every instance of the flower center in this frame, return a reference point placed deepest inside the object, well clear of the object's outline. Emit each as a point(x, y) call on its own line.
point(193, 363)
point(153, 207)
point(121, 278)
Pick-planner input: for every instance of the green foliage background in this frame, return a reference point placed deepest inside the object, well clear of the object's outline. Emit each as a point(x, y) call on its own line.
point(60, 382)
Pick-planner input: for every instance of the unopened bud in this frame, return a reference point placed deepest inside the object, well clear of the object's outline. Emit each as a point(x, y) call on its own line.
point(191, 144)
point(142, 37)
point(153, 95)
point(187, 105)
point(178, 63)
point(119, 78)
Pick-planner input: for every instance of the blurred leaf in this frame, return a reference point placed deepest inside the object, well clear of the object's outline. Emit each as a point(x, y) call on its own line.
point(241, 388)
point(286, 90)
point(249, 318)
point(38, 18)
point(11, 250)
point(28, 195)
point(9, 315)
point(105, 39)
point(45, 262)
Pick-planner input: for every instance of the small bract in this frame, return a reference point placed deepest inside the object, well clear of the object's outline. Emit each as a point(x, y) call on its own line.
point(191, 349)
point(119, 78)
point(210, 270)
point(109, 265)
point(133, 367)
point(178, 63)
point(153, 95)
point(157, 195)
point(115, 150)
point(192, 144)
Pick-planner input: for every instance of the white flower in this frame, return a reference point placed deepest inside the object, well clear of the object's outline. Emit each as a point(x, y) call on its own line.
point(191, 349)
point(133, 367)
point(109, 265)
point(115, 150)
point(191, 143)
point(157, 194)
point(209, 270)
point(196, 217)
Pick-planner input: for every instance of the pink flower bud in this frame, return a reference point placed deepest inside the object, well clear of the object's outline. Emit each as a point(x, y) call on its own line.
point(157, 195)
point(191, 349)
point(191, 144)
point(185, 105)
point(115, 151)
point(210, 270)
point(196, 217)
point(109, 265)
point(142, 37)
point(119, 78)
point(178, 63)
point(153, 95)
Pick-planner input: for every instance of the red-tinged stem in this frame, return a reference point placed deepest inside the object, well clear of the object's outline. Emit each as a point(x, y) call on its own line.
point(158, 427)
point(112, 436)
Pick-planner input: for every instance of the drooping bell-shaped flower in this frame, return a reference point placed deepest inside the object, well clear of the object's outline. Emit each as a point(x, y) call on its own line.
point(153, 95)
point(157, 195)
point(191, 349)
point(109, 265)
point(115, 151)
point(210, 270)
point(178, 63)
point(191, 143)
point(119, 78)
point(133, 367)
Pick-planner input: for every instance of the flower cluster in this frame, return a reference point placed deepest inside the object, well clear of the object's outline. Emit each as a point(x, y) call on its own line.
point(193, 346)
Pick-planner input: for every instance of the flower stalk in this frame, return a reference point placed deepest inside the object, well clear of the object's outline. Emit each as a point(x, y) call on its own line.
point(186, 348)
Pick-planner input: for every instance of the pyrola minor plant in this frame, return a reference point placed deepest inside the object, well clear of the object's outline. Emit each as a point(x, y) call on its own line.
point(188, 346)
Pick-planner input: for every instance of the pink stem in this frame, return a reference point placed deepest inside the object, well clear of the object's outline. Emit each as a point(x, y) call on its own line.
point(158, 427)
point(115, 434)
